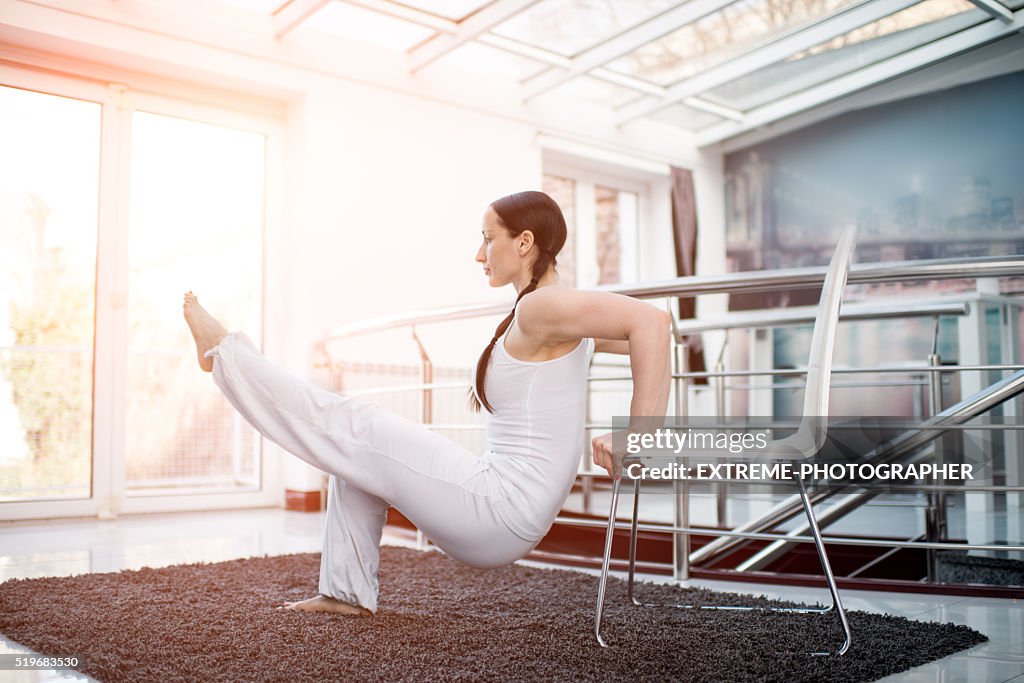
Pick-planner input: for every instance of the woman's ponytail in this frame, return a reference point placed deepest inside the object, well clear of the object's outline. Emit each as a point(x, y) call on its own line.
point(477, 398)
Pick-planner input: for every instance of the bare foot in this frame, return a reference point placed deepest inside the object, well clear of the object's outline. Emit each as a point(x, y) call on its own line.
point(322, 603)
point(205, 328)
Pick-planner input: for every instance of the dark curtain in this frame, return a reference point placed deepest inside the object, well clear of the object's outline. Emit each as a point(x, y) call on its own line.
point(684, 234)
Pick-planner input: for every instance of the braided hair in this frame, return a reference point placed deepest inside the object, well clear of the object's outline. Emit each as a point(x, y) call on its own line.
point(538, 213)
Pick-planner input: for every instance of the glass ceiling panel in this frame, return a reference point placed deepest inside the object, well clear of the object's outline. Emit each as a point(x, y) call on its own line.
point(450, 9)
point(567, 27)
point(722, 35)
point(492, 61)
point(897, 33)
point(686, 117)
point(598, 92)
point(355, 22)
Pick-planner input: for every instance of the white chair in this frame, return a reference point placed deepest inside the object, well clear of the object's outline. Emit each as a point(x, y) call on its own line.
point(805, 443)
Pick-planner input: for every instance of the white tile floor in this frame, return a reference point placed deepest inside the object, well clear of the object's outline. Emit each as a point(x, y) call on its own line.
point(63, 548)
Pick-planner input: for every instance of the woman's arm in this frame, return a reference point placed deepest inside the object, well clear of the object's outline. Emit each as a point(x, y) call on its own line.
point(555, 314)
point(618, 346)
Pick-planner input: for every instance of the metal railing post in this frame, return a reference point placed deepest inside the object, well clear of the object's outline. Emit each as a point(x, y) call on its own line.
point(426, 405)
point(935, 512)
point(721, 492)
point(681, 488)
point(587, 487)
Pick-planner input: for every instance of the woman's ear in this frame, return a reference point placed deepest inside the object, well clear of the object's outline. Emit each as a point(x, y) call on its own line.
point(524, 241)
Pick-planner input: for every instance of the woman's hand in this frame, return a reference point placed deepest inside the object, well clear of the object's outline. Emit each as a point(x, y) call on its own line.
point(605, 454)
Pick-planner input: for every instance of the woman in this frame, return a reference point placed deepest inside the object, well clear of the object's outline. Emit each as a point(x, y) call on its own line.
point(484, 510)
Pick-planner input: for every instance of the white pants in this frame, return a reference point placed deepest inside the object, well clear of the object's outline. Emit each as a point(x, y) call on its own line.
point(375, 459)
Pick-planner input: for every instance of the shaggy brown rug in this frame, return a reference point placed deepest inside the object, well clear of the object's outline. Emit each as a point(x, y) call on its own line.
point(438, 620)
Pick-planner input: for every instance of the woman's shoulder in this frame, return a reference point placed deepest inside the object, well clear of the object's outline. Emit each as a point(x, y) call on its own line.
point(544, 301)
point(540, 318)
point(542, 314)
point(564, 313)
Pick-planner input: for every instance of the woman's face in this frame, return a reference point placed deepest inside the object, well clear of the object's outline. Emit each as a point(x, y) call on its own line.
point(498, 252)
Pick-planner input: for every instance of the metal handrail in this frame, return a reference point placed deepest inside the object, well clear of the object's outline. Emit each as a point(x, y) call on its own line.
point(907, 369)
point(478, 427)
point(862, 274)
point(803, 315)
point(729, 283)
point(924, 369)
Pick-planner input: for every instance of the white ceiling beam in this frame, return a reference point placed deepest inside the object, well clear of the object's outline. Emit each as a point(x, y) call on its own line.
point(522, 49)
point(556, 60)
point(771, 53)
point(476, 25)
point(410, 14)
point(293, 13)
point(632, 82)
point(996, 9)
point(624, 43)
point(553, 59)
point(714, 108)
point(443, 25)
point(865, 78)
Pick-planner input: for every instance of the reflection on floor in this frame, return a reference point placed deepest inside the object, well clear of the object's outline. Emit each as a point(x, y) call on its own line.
point(63, 548)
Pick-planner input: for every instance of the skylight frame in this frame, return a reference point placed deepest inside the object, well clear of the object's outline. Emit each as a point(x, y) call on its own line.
point(694, 92)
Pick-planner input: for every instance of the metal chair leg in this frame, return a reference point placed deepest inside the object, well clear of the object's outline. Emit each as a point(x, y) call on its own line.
point(610, 532)
point(609, 535)
point(632, 542)
point(632, 576)
point(829, 577)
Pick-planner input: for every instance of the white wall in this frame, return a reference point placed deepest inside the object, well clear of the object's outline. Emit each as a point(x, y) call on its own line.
point(386, 217)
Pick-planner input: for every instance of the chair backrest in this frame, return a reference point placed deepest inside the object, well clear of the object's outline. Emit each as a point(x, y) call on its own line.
point(823, 340)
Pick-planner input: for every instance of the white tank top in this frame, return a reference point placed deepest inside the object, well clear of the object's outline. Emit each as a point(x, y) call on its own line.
point(535, 435)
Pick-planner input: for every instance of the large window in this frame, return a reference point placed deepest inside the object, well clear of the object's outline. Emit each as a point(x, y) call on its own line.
point(112, 204)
